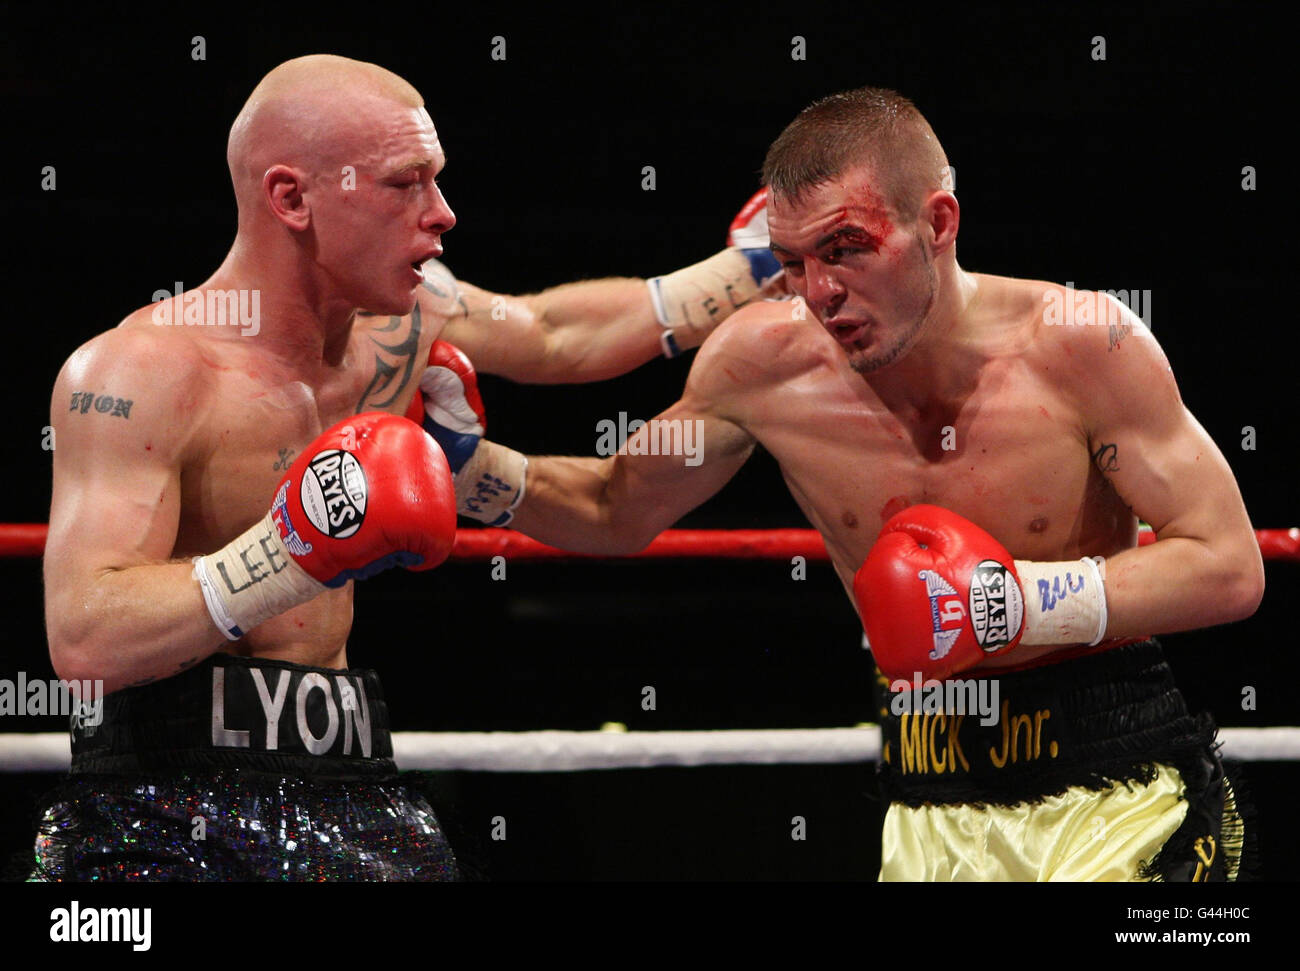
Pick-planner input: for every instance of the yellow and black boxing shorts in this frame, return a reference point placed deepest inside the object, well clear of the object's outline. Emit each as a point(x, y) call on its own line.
point(1087, 769)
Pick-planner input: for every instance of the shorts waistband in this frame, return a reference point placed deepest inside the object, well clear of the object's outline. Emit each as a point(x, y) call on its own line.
point(1019, 736)
point(240, 712)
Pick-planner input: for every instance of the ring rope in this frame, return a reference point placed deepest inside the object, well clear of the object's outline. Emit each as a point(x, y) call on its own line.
point(556, 751)
point(560, 751)
point(474, 545)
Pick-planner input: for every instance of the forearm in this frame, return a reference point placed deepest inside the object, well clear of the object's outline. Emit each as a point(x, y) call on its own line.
point(566, 504)
point(1179, 584)
point(603, 328)
point(594, 330)
point(130, 626)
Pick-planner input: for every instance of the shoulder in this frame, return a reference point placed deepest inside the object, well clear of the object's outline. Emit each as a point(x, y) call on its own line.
point(136, 349)
point(760, 345)
point(440, 293)
point(439, 298)
point(1098, 346)
point(143, 379)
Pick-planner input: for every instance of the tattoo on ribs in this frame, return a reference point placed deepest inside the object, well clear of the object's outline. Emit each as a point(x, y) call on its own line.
point(1106, 458)
point(284, 461)
point(104, 404)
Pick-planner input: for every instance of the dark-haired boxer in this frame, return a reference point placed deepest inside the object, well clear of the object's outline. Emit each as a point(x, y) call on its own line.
point(910, 382)
point(234, 743)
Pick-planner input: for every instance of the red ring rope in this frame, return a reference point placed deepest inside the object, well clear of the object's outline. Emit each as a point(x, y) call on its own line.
point(28, 539)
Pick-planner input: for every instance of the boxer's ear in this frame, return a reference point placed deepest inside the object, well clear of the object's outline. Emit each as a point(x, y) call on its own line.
point(282, 187)
point(942, 213)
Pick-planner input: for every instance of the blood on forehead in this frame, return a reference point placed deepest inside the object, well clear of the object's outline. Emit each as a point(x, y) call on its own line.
point(866, 208)
point(842, 211)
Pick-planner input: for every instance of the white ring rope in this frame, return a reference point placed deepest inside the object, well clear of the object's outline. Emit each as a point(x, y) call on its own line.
point(553, 751)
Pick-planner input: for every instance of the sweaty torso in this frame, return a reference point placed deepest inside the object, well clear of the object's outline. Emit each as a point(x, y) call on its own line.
point(255, 416)
point(1010, 452)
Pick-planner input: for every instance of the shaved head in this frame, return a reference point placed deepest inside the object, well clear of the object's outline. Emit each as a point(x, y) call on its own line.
point(313, 113)
point(335, 166)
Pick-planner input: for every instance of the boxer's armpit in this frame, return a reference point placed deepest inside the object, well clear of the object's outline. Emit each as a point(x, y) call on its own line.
point(395, 345)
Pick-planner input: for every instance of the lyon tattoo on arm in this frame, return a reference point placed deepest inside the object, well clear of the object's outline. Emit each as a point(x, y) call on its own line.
point(105, 404)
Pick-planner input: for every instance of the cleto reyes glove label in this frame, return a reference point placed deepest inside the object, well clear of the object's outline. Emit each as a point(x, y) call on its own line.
point(333, 493)
point(996, 607)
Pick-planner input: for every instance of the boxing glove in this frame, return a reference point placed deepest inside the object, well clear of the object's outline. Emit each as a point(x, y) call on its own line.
point(448, 405)
point(690, 303)
point(748, 233)
point(372, 492)
point(937, 595)
point(489, 478)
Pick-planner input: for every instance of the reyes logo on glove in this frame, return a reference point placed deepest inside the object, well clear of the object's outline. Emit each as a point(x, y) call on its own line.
point(996, 608)
point(333, 493)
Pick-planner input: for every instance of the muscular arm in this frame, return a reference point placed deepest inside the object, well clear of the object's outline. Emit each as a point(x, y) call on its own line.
point(116, 609)
point(1205, 567)
point(619, 504)
point(570, 334)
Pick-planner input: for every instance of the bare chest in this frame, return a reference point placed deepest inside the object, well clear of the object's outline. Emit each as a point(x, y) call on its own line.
point(1011, 457)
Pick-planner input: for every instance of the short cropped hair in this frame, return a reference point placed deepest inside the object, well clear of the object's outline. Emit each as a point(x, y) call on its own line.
point(872, 126)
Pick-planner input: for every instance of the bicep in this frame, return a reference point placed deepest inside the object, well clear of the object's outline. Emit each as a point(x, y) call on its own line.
point(1159, 459)
point(500, 334)
point(116, 491)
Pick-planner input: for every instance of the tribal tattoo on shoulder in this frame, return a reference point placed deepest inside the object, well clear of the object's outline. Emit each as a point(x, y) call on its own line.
point(394, 362)
point(395, 355)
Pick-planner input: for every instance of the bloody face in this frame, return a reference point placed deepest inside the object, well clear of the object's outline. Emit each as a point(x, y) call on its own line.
point(865, 273)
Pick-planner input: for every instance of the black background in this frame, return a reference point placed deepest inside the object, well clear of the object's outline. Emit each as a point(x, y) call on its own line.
point(1117, 174)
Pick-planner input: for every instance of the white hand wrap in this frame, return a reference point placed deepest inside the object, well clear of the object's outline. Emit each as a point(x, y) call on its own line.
point(1065, 603)
point(252, 579)
point(490, 486)
point(694, 300)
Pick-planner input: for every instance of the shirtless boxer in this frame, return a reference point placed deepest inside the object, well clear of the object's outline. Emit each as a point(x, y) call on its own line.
point(234, 744)
point(914, 384)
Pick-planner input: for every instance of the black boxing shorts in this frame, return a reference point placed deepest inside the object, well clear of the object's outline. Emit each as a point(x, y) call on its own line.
point(239, 769)
point(1087, 769)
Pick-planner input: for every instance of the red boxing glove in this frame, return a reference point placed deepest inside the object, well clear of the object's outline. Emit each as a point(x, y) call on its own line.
point(937, 595)
point(372, 492)
point(448, 406)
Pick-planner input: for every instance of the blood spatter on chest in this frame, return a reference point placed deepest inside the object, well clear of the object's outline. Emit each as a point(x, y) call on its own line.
point(893, 507)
